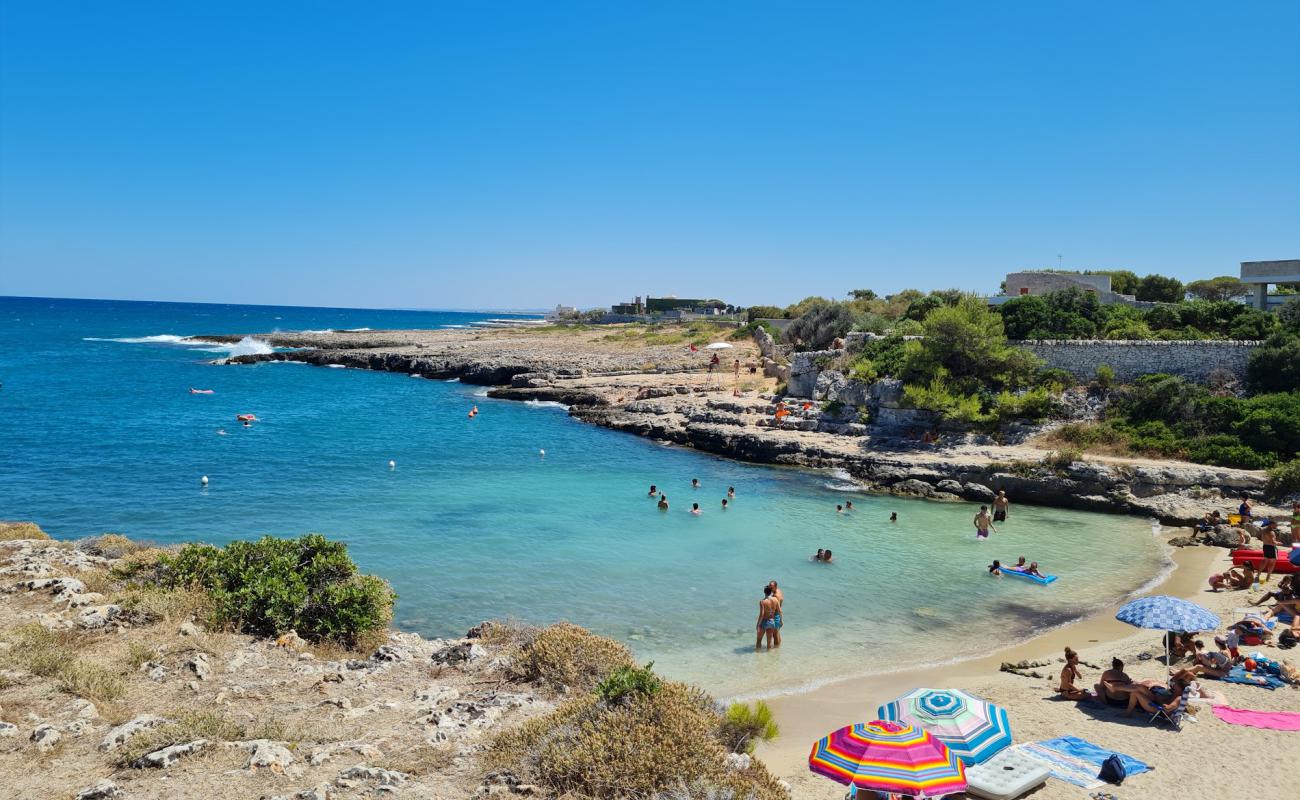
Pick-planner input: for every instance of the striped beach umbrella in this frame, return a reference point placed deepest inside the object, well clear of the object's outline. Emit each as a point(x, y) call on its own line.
point(887, 757)
point(973, 729)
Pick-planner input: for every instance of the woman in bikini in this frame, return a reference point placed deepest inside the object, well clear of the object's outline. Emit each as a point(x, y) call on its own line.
point(1069, 674)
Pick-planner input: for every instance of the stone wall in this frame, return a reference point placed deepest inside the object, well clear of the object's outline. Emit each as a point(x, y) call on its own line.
point(1194, 360)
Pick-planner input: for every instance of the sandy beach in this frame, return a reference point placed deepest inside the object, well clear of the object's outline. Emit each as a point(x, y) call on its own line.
point(1260, 762)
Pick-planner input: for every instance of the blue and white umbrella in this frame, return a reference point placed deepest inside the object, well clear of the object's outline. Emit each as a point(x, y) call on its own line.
point(1167, 614)
point(974, 729)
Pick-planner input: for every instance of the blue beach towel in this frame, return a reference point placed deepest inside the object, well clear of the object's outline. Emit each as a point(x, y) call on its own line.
point(1078, 762)
point(1240, 675)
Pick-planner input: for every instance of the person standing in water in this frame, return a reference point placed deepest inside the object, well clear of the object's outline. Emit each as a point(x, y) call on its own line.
point(654, 490)
point(695, 509)
point(731, 492)
point(848, 505)
point(695, 483)
point(1001, 505)
point(724, 504)
point(983, 523)
point(893, 516)
point(663, 502)
point(769, 621)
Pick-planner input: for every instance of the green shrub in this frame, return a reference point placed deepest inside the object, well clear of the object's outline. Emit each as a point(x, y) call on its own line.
point(625, 682)
point(1055, 379)
point(1033, 404)
point(1060, 460)
point(938, 398)
point(565, 655)
point(1227, 451)
point(744, 726)
point(1105, 376)
point(270, 586)
point(1284, 479)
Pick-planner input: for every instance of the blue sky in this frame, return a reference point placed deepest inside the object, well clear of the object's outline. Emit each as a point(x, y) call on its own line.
point(523, 154)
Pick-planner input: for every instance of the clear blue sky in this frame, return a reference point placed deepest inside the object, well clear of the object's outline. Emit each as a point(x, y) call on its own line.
point(481, 154)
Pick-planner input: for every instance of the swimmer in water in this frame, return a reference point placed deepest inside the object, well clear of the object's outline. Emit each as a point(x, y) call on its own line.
point(826, 557)
point(893, 517)
point(695, 509)
point(247, 424)
point(848, 505)
point(731, 491)
point(695, 483)
point(995, 569)
point(663, 502)
point(839, 509)
point(820, 555)
point(724, 504)
point(654, 490)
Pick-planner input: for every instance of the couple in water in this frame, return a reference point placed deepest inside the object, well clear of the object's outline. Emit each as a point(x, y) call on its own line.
point(769, 617)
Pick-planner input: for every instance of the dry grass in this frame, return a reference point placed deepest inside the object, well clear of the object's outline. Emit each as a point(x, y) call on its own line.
point(185, 727)
point(138, 653)
point(423, 759)
point(139, 563)
point(56, 655)
point(12, 531)
point(97, 580)
point(110, 545)
point(649, 744)
point(565, 655)
point(148, 605)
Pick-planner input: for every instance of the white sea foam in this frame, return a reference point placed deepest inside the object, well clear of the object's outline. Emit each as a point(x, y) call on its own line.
point(545, 404)
point(451, 380)
point(336, 366)
point(481, 392)
point(325, 330)
point(354, 330)
point(165, 338)
point(248, 346)
point(841, 481)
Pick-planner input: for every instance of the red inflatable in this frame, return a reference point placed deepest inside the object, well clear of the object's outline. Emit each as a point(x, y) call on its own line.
point(1256, 558)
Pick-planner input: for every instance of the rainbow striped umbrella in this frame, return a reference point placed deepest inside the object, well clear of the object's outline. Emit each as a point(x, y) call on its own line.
point(888, 757)
point(973, 729)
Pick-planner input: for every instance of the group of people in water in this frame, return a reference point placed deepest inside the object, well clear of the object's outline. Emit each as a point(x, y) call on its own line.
point(996, 569)
point(655, 492)
point(984, 520)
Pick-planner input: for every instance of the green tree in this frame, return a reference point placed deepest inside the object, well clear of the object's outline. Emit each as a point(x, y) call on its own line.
point(797, 310)
point(1224, 287)
point(1275, 365)
point(965, 344)
point(1026, 317)
point(1122, 281)
point(863, 294)
point(762, 312)
point(1160, 289)
point(822, 324)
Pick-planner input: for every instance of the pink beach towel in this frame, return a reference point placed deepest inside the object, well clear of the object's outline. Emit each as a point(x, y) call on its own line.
point(1273, 720)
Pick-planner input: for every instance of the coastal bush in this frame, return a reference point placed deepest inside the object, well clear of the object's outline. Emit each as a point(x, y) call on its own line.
point(1060, 460)
point(625, 682)
point(744, 726)
point(271, 585)
point(652, 743)
point(964, 344)
point(938, 397)
point(1227, 451)
point(1055, 379)
point(1031, 404)
point(565, 655)
point(13, 531)
point(109, 545)
point(818, 327)
point(1284, 479)
point(1105, 377)
point(1275, 365)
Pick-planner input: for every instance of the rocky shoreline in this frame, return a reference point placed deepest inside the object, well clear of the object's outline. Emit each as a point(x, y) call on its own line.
point(661, 392)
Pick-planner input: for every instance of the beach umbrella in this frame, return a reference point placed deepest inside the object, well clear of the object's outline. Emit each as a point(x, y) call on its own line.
point(888, 757)
point(718, 346)
point(973, 729)
point(1165, 613)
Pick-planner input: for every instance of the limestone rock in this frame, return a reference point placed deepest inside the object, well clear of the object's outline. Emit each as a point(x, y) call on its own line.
point(464, 652)
point(978, 491)
point(168, 756)
point(385, 777)
point(291, 640)
point(321, 792)
point(739, 762)
point(189, 629)
point(118, 736)
point(265, 754)
point(104, 790)
point(45, 737)
point(8, 730)
point(97, 616)
point(85, 599)
point(950, 486)
point(200, 665)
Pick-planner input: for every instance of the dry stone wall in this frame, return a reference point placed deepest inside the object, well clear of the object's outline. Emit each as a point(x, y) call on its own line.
point(1194, 360)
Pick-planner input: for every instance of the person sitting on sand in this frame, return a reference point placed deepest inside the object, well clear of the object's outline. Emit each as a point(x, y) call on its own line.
point(1211, 663)
point(1159, 698)
point(1244, 509)
point(1244, 579)
point(1114, 685)
point(1179, 644)
point(1283, 591)
point(695, 509)
point(995, 569)
point(663, 502)
point(1069, 674)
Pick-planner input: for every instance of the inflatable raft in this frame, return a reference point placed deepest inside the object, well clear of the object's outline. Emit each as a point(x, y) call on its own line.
point(1042, 580)
point(1286, 559)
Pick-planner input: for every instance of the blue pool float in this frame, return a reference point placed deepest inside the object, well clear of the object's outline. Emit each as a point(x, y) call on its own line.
point(1015, 573)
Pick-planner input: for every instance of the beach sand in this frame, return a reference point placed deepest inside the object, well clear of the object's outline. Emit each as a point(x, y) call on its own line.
point(1250, 762)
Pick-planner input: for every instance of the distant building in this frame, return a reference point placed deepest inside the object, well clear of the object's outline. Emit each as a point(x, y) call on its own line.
point(562, 312)
point(1259, 274)
point(1022, 284)
point(668, 306)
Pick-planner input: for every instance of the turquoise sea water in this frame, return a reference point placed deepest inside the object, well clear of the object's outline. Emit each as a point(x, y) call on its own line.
point(100, 433)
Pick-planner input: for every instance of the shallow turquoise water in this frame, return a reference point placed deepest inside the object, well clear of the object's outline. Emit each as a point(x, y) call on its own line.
point(474, 523)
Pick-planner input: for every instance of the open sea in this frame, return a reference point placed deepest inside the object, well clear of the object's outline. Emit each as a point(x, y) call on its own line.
point(98, 432)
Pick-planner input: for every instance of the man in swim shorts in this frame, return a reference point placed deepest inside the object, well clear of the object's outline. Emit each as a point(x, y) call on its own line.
point(983, 523)
point(1001, 505)
point(1268, 535)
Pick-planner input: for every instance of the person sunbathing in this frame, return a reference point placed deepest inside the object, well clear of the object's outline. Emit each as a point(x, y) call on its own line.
point(1242, 577)
point(1159, 698)
point(1282, 592)
point(1210, 663)
point(1069, 674)
point(1114, 685)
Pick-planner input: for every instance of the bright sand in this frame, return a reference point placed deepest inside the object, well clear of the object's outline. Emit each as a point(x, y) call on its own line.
point(1221, 758)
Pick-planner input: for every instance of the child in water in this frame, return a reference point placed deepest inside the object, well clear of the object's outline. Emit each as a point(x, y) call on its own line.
point(695, 509)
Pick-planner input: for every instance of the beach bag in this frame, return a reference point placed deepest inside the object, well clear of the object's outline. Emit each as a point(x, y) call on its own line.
point(1112, 770)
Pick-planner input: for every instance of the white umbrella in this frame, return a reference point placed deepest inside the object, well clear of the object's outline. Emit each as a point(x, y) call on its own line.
point(718, 346)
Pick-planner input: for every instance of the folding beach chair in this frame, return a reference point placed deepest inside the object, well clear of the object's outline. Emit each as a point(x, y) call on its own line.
point(1175, 717)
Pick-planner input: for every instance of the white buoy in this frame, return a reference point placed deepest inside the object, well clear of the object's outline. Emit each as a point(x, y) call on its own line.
point(543, 452)
point(204, 480)
point(392, 464)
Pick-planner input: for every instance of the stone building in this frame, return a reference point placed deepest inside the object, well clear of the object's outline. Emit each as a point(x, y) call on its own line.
point(1259, 274)
point(1020, 284)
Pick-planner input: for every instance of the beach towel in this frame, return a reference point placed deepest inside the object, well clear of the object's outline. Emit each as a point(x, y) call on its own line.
point(1240, 675)
point(1273, 720)
point(1076, 761)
